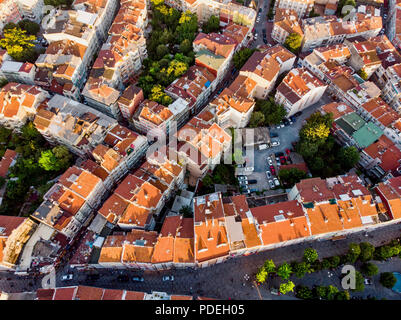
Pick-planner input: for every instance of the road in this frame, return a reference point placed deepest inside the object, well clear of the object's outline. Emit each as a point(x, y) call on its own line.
point(223, 281)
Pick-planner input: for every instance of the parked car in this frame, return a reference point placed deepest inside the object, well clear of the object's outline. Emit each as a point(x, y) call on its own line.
point(260, 10)
point(276, 182)
point(298, 114)
point(268, 174)
point(168, 278)
point(282, 160)
point(263, 146)
point(368, 281)
point(93, 277)
point(253, 181)
point(293, 119)
point(271, 184)
point(249, 168)
point(286, 122)
point(278, 163)
point(279, 154)
point(243, 183)
point(269, 161)
point(138, 279)
point(287, 151)
point(273, 171)
point(240, 165)
point(273, 135)
point(123, 278)
point(67, 277)
point(242, 178)
point(254, 190)
point(275, 143)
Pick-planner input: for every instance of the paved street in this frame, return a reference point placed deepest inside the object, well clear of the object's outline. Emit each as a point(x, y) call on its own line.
point(222, 281)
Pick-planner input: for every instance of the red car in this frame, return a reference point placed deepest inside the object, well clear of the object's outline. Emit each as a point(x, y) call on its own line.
point(287, 151)
point(282, 160)
point(272, 170)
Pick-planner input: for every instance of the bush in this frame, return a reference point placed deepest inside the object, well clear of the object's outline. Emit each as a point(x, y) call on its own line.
point(300, 269)
point(369, 269)
point(335, 261)
point(284, 271)
point(310, 255)
point(387, 279)
point(303, 292)
point(367, 251)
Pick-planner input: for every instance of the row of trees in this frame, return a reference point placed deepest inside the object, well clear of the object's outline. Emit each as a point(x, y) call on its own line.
point(324, 157)
point(267, 113)
point(170, 51)
point(36, 165)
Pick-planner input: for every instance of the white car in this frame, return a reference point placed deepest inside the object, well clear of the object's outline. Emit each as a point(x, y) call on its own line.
point(168, 278)
point(276, 182)
point(275, 143)
point(268, 174)
point(243, 182)
point(269, 160)
point(67, 277)
point(256, 36)
point(271, 184)
point(242, 178)
point(249, 168)
point(368, 281)
point(263, 147)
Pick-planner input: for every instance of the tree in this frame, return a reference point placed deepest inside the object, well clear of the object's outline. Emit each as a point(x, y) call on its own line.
point(300, 269)
point(207, 181)
point(18, 44)
point(334, 261)
point(388, 280)
point(269, 266)
point(293, 42)
point(186, 212)
point(359, 282)
point(261, 275)
point(331, 292)
point(384, 252)
point(354, 251)
point(310, 255)
point(326, 263)
point(287, 287)
point(48, 161)
point(29, 26)
point(157, 94)
point(63, 156)
point(343, 295)
point(284, 271)
point(362, 73)
point(273, 112)
point(369, 269)
point(185, 46)
point(212, 25)
point(321, 292)
point(257, 119)
point(367, 251)
point(348, 157)
point(161, 51)
point(289, 177)
point(176, 68)
point(317, 132)
point(303, 292)
point(241, 57)
point(146, 83)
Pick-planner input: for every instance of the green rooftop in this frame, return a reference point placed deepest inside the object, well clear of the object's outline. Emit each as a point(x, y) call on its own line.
point(209, 59)
point(350, 123)
point(367, 135)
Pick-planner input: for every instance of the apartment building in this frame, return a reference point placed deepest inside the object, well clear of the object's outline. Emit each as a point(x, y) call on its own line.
point(298, 90)
point(152, 117)
point(31, 9)
point(389, 192)
point(120, 151)
point(19, 103)
point(70, 123)
point(301, 7)
point(285, 23)
point(20, 72)
point(391, 92)
point(265, 66)
point(214, 51)
point(9, 12)
point(129, 101)
point(70, 202)
point(195, 87)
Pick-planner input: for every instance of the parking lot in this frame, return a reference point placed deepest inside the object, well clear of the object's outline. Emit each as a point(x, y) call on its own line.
point(286, 135)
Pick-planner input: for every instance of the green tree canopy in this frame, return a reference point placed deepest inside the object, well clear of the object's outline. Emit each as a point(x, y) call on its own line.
point(287, 287)
point(303, 292)
point(257, 119)
point(289, 177)
point(269, 266)
point(369, 269)
point(388, 280)
point(293, 42)
point(310, 255)
point(301, 268)
point(56, 159)
point(261, 275)
point(186, 211)
point(157, 94)
point(31, 27)
point(212, 25)
point(242, 56)
point(348, 157)
point(284, 271)
point(367, 251)
point(274, 113)
point(18, 44)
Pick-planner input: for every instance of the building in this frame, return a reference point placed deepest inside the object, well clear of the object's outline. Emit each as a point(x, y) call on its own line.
point(285, 23)
point(301, 7)
point(31, 9)
point(129, 101)
point(9, 12)
point(69, 204)
point(389, 192)
point(18, 72)
point(70, 123)
point(19, 103)
point(298, 90)
point(7, 161)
